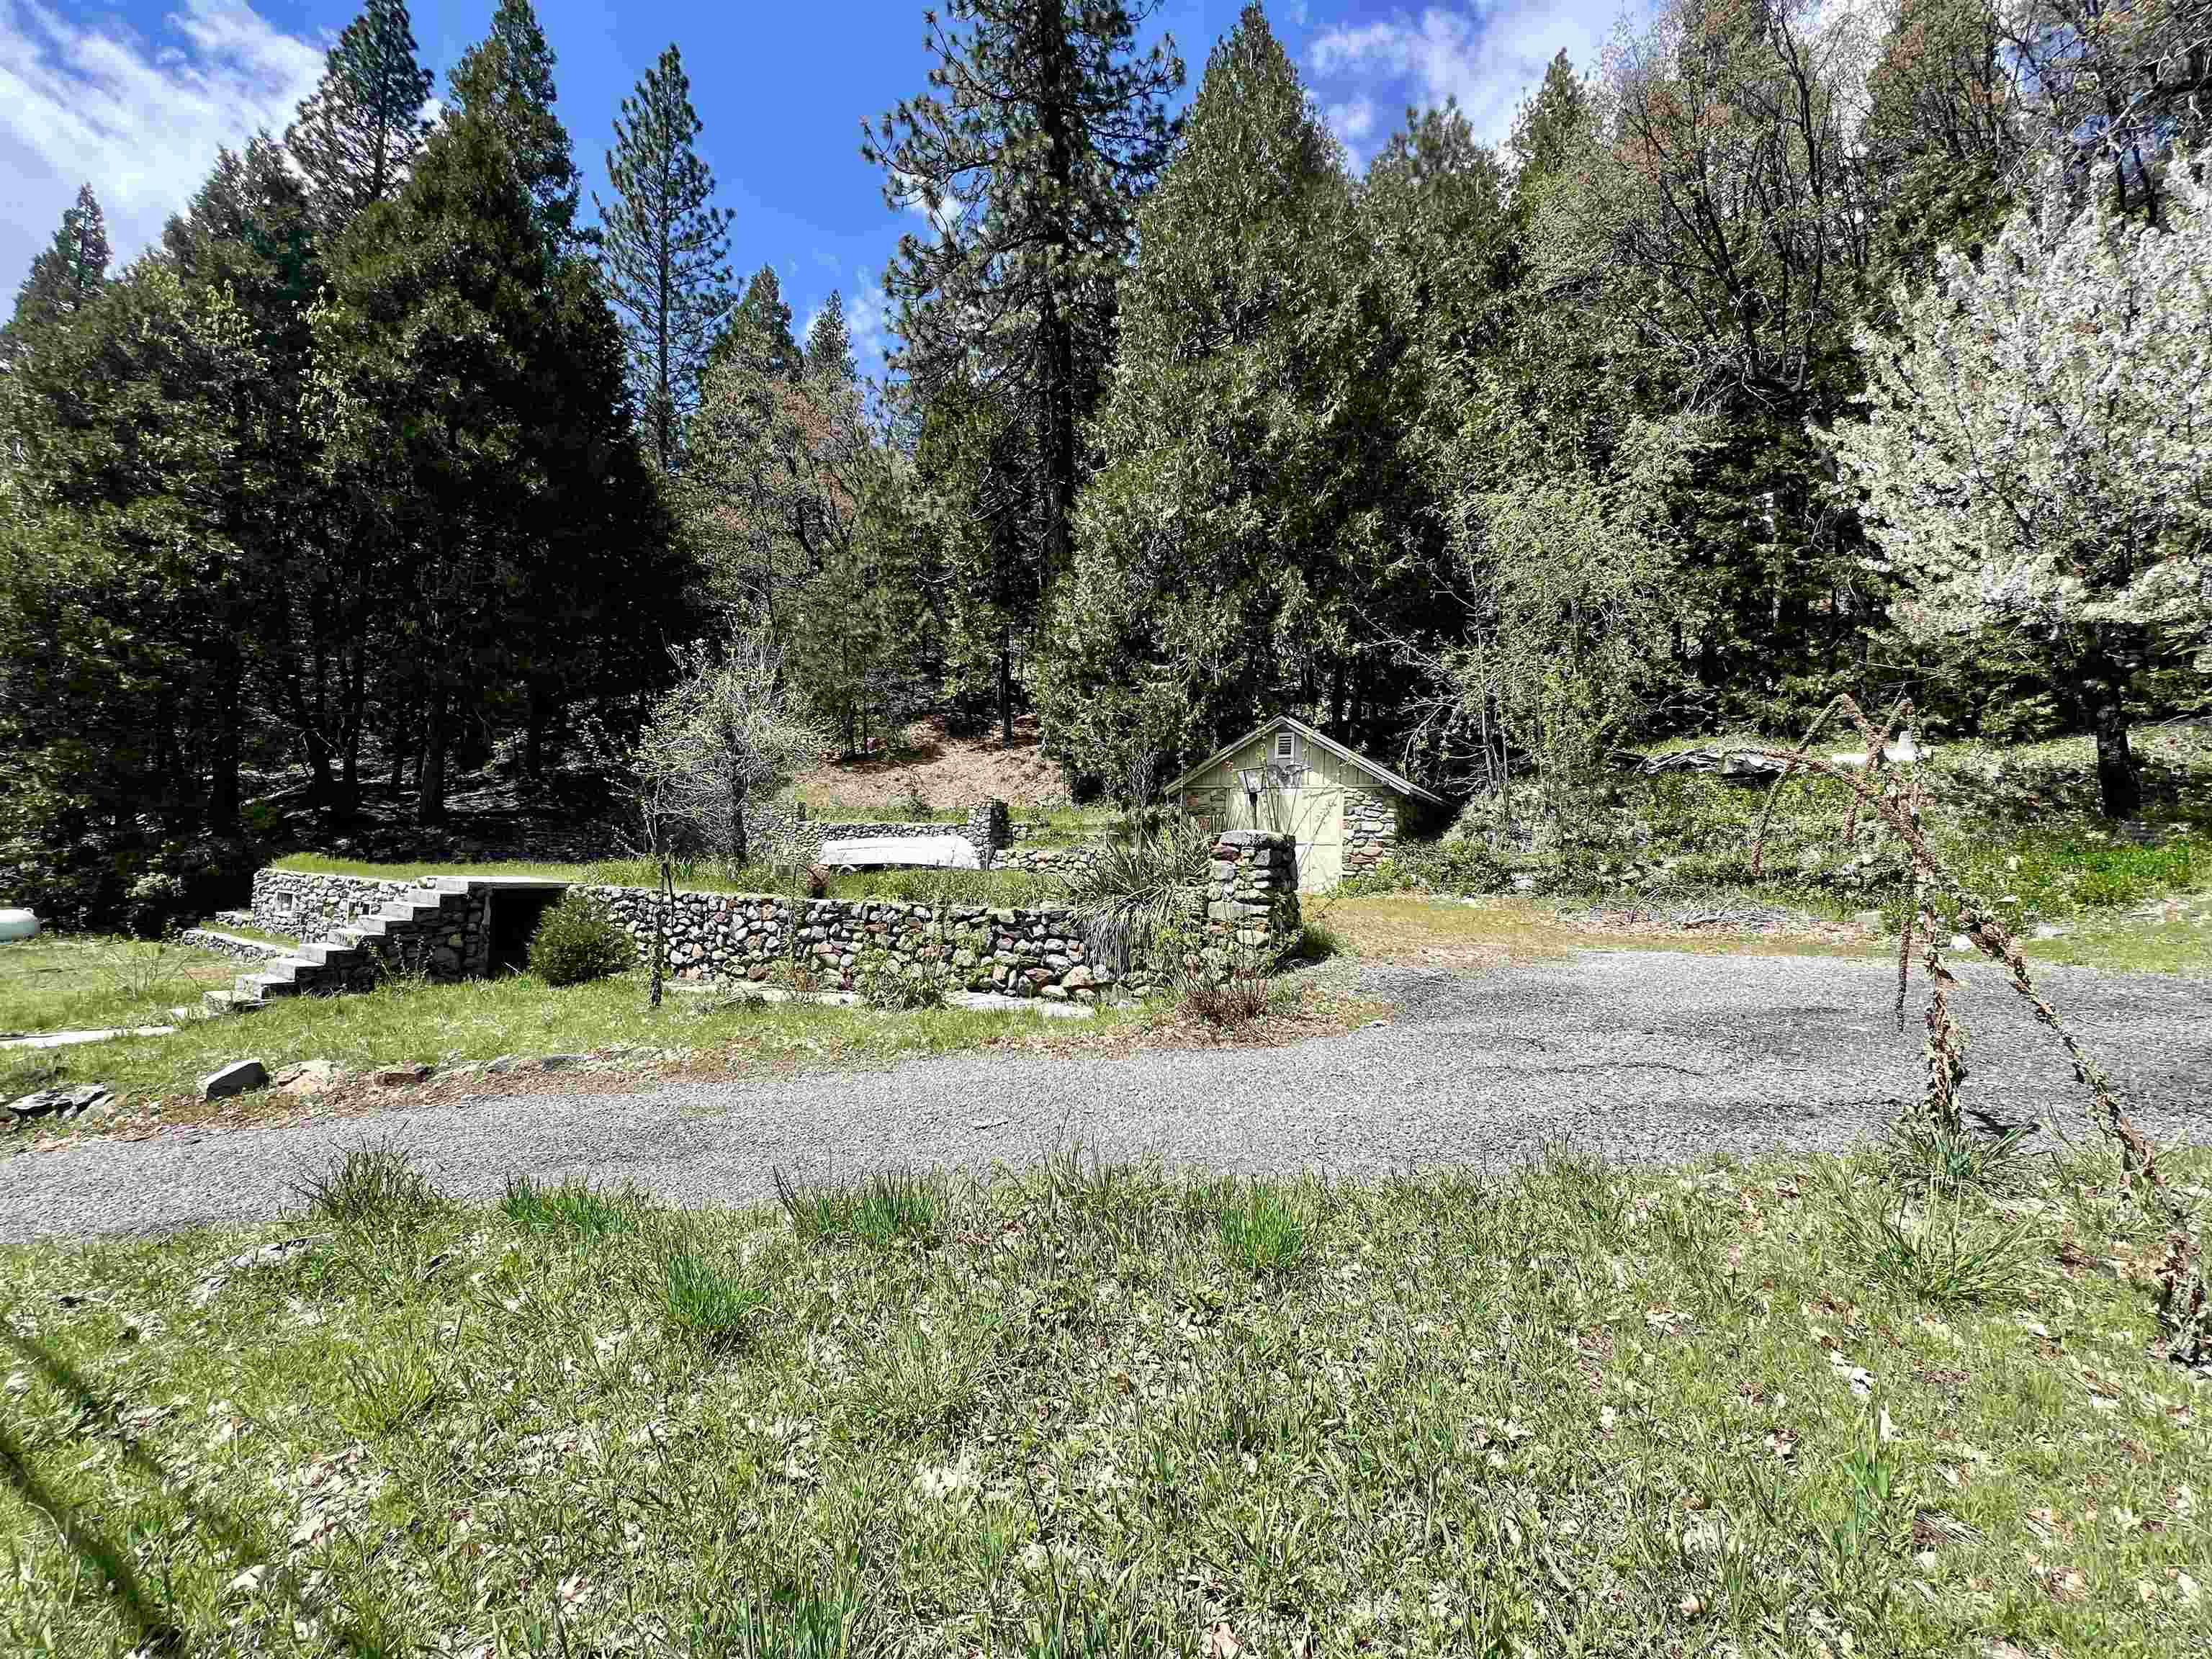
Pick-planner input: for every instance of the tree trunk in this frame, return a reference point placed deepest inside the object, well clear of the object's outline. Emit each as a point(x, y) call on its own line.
point(1005, 683)
point(740, 846)
point(2119, 785)
point(2095, 683)
point(223, 781)
point(430, 785)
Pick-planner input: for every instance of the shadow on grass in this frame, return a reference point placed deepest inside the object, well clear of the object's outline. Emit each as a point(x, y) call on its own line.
point(157, 1634)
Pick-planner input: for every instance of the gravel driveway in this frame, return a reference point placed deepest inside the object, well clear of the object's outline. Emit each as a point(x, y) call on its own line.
point(1637, 1056)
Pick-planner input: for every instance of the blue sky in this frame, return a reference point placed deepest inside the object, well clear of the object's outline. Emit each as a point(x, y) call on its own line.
point(136, 97)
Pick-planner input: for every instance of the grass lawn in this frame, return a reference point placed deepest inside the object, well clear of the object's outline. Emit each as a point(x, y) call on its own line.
point(76, 984)
point(1454, 933)
point(482, 1019)
point(1094, 1410)
point(1003, 887)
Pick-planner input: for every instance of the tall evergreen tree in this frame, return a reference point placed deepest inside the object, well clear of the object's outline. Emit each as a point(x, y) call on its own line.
point(508, 77)
point(479, 421)
point(1043, 130)
point(666, 247)
point(358, 132)
point(829, 343)
point(1244, 542)
point(66, 275)
point(762, 319)
point(1552, 121)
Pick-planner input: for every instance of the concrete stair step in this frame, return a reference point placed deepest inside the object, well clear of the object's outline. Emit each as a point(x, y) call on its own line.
point(273, 985)
point(230, 1002)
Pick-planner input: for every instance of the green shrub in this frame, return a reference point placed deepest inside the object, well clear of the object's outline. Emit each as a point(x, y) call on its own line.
point(884, 982)
point(577, 940)
point(1465, 865)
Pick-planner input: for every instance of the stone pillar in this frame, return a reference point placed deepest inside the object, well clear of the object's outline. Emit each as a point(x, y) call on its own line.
point(1251, 895)
point(990, 826)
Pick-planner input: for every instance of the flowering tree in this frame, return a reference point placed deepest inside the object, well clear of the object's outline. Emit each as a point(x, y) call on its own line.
point(725, 736)
point(2038, 451)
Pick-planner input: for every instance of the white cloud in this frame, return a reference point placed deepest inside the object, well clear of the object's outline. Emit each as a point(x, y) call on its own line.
point(92, 101)
point(1487, 57)
point(1350, 121)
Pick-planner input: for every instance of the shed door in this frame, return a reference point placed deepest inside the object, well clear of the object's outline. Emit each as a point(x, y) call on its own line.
point(1320, 836)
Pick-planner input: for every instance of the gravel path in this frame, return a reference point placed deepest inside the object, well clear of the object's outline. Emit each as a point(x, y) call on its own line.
point(1637, 1056)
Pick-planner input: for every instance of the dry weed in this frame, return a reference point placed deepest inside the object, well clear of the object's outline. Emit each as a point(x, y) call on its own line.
point(1894, 795)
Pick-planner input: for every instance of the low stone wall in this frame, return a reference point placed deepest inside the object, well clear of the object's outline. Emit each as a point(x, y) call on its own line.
point(223, 945)
point(1249, 904)
point(1370, 829)
point(1021, 952)
point(783, 833)
point(1046, 860)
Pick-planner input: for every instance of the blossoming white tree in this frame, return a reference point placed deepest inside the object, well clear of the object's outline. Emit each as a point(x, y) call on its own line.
point(2037, 450)
point(725, 736)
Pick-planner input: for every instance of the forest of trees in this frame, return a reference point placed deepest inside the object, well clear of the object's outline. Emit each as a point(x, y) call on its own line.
point(384, 463)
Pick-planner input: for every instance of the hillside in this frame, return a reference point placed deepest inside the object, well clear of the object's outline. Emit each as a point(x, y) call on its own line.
point(926, 765)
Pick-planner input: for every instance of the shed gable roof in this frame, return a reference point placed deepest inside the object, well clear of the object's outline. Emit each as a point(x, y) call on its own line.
point(1381, 773)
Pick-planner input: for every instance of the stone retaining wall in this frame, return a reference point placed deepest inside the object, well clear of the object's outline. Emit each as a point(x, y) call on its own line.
point(454, 944)
point(783, 833)
point(1046, 860)
point(1249, 904)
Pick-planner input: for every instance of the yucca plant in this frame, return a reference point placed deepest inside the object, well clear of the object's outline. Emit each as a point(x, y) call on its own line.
point(1136, 890)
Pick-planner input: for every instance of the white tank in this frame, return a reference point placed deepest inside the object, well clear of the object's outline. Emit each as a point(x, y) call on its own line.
point(18, 924)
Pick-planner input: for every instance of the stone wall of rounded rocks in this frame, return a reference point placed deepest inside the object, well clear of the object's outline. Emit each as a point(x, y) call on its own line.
point(223, 945)
point(1021, 953)
point(1249, 904)
point(1045, 860)
point(313, 907)
point(1370, 829)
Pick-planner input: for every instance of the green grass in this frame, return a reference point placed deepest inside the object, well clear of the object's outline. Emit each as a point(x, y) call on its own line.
point(68, 983)
point(1568, 1410)
point(482, 1019)
point(1002, 888)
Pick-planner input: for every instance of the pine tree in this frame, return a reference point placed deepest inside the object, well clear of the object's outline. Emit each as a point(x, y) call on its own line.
point(508, 77)
point(66, 275)
point(478, 421)
point(1242, 548)
point(829, 343)
point(665, 248)
point(1043, 130)
point(1549, 125)
point(763, 321)
point(358, 132)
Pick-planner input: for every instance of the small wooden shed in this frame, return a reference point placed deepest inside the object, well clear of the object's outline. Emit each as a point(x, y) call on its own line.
point(1346, 810)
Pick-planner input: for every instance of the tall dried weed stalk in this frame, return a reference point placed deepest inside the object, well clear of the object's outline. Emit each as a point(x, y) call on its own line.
point(1894, 795)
